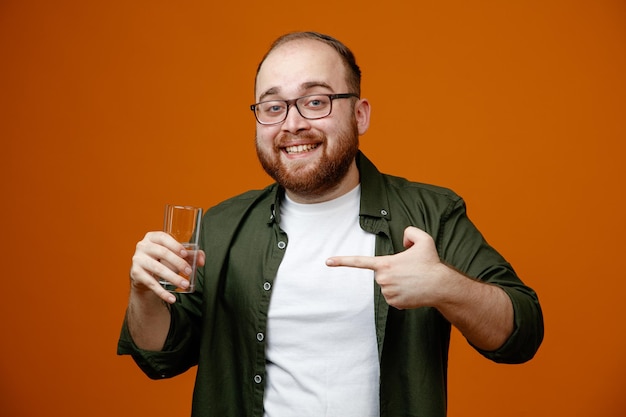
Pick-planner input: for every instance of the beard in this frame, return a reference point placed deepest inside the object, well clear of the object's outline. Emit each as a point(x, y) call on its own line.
point(312, 179)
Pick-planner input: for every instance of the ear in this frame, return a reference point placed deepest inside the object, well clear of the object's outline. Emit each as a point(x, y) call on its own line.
point(362, 114)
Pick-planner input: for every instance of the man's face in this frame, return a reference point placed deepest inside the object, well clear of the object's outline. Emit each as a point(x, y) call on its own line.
point(307, 157)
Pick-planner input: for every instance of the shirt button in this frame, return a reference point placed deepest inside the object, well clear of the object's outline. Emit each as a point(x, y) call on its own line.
point(260, 336)
point(282, 245)
point(267, 286)
point(383, 212)
point(258, 379)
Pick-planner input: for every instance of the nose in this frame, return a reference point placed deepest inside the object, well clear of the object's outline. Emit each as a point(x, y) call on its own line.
point(294, 122)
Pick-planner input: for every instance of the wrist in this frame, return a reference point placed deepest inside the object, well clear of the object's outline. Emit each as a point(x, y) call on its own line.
point(145, 299)
point(449, 283)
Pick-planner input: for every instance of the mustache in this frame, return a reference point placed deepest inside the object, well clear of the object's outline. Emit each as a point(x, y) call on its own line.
point(288, 137)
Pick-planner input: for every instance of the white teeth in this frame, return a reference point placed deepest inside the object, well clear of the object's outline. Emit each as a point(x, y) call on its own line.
point(299, 148)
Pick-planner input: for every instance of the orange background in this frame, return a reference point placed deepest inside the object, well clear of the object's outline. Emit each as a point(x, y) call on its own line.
point(518, 106)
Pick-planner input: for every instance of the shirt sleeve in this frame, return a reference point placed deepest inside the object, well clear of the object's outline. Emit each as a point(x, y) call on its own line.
point(179, 352)
point(528, 331)
point(461, 245)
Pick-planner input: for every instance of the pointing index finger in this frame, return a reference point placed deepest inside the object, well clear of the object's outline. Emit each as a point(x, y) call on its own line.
point(364, 262)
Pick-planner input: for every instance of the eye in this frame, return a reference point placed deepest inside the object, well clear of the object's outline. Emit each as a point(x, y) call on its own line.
point(316, 102)
point(272, 107)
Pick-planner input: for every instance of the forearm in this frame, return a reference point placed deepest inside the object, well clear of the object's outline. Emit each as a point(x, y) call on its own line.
point(148, 318)
point(481, 311)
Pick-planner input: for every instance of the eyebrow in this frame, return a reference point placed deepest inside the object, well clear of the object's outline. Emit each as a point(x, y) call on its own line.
point(304, 87)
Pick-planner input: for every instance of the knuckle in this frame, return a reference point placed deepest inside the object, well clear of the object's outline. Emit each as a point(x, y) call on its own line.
point(151, 235)
point(162, 270)
point(161, 252)
point(139, 247)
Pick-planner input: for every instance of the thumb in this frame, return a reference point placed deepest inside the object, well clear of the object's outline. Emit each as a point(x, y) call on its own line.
point(412, 235)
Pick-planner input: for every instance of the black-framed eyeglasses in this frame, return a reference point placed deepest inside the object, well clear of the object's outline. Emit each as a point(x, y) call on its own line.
point(314, 106)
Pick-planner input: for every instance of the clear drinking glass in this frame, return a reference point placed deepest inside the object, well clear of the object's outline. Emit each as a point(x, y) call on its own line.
point(183, 224)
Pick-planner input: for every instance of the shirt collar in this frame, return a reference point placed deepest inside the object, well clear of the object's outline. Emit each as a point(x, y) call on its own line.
point(374, 201)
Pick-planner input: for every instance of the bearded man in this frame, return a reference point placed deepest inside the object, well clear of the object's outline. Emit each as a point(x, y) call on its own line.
point(331, 292)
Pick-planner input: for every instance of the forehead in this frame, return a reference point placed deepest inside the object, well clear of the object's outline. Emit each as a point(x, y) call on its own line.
point(299, 66)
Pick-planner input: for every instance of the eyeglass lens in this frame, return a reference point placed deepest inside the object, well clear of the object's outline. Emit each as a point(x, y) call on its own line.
point(310, 107)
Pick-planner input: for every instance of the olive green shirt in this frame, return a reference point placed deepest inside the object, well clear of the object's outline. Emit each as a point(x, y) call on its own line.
point(221, 327)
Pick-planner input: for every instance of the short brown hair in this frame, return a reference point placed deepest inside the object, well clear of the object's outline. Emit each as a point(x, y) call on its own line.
point(352, 69)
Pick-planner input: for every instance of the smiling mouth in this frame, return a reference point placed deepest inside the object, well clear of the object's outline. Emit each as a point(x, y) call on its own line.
point(291, 150)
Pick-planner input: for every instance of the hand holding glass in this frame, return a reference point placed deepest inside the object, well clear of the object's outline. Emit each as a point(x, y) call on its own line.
point(183, 224)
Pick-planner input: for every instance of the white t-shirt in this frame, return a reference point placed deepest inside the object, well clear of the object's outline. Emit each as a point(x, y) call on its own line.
point(321, 338)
